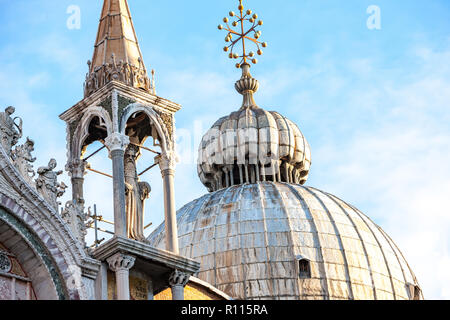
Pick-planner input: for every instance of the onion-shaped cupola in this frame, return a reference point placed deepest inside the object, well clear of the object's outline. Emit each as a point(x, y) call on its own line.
point(251, 144)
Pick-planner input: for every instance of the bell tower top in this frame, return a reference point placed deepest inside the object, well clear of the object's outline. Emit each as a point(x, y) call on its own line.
point(117, 55)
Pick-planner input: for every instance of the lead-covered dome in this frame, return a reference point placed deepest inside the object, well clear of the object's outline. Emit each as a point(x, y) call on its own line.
point(283, 241)
point(252, 145)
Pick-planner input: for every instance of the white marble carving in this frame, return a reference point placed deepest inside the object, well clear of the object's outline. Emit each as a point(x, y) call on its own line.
point(73, 214)
point(23, 160)
point(47, 183)
point(117, 141)
point(10, 131)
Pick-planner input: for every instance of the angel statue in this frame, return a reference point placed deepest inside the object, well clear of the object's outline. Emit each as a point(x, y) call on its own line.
point(47, 183)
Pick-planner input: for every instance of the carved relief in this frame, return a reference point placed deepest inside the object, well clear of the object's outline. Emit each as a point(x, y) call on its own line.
point(134, 76)
point(168, 121)
point(73, 214)
point(30, 215)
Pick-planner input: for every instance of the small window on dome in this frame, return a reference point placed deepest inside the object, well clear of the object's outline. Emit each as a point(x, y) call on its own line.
point(414, 291)
point(304, 268)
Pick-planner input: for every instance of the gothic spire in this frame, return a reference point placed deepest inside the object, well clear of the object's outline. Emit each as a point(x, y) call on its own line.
point(117, 55)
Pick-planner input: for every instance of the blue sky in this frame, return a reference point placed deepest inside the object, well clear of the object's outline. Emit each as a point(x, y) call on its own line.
point(373, 104)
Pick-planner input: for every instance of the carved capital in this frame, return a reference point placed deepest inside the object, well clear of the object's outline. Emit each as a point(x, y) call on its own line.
point(117, 141)
point(121, 262)
point(179, 278)
point(167, 161)
point(76, 168)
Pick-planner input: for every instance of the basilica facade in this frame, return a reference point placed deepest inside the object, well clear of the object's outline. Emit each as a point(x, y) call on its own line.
point(259, 232)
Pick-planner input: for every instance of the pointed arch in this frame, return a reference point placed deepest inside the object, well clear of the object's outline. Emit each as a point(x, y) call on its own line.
point(155, 120)
point(82, 130)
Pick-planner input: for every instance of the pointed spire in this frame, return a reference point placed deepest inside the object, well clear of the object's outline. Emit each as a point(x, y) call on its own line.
point(117, 55)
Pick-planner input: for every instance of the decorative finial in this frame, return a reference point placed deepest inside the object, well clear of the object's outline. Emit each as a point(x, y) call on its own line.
point(242, 35)
point(247, 85)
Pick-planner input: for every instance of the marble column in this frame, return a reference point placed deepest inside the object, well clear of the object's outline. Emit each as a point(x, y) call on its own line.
point(116, 144)
point(177, 281)
point(167, 166)
point(77, 170)
point(121, 264)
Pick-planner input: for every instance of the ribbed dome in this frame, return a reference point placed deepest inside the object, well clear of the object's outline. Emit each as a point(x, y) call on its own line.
point(252, 241)
point(252, 145)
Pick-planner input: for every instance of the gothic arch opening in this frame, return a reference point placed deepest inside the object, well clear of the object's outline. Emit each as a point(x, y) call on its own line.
point(96, 131)
point(142, 174)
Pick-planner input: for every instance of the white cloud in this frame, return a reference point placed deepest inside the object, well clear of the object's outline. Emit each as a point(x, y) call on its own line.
point(398, 172)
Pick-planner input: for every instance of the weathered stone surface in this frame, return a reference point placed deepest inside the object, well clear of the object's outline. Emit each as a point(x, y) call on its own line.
point(250, 236)
point(35, 232)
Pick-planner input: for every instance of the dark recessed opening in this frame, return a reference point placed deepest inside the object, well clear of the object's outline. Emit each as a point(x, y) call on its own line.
point(415, 293)
point(304, 269)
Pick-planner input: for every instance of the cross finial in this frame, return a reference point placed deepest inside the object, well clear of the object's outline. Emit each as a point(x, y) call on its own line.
point(242, 34)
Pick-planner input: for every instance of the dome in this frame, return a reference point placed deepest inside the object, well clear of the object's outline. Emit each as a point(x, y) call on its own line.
point(252, 145)
point(283, 241)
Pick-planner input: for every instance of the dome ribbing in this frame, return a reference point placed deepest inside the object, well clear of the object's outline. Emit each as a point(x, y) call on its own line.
point(252, 145)
point(250, 239)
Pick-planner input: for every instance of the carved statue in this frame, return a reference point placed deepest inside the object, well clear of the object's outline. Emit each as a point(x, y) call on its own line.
point(10, 131)
point(136, 193)
point(47, 183)
point(23, 160)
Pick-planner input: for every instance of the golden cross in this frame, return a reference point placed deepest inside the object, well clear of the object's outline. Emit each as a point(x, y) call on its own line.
point(242, 35)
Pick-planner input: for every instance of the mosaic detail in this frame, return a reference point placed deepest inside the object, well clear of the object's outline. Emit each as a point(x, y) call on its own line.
point(74, 125)
point(17, 269)
point(123, 103)
point(5, 263)
point(107, 105)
